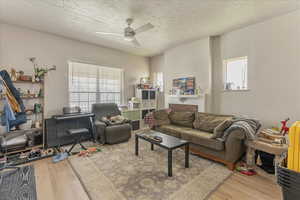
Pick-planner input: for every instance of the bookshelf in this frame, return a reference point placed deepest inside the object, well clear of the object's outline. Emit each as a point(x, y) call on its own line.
point(29, 100)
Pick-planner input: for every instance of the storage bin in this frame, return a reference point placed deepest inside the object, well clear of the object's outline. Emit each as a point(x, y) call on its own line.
point(289, 181)
point(135, 124)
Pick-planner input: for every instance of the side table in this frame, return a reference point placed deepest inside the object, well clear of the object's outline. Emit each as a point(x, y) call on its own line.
point(277, 150)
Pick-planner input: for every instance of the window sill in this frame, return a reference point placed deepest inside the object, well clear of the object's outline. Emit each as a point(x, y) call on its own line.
point(240, 90)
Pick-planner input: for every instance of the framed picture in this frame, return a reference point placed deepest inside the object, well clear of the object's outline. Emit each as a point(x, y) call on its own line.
point(186, 85)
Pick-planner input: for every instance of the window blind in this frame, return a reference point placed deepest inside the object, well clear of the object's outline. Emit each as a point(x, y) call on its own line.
point(89, 84)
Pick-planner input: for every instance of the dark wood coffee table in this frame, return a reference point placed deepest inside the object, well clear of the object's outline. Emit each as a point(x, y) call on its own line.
point(168, 142)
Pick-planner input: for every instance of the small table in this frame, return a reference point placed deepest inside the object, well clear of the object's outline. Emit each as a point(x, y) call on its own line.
point(277, 150)
point(168, 142)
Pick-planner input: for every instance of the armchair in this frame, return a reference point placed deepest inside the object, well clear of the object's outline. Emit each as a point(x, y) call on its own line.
point(110, 133)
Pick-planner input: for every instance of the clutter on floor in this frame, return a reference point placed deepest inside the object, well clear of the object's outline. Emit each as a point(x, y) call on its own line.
point(89, 151)
point(63, 153)
point(268, 148)
point(246, 170)
point(25, 157)
point(60, 157)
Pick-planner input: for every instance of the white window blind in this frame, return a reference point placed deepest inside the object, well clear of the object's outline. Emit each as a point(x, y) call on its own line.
point(89, 84)
point(236, 73)
point(158, 79)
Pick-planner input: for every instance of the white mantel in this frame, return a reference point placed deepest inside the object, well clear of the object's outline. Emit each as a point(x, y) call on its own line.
point(198, 100)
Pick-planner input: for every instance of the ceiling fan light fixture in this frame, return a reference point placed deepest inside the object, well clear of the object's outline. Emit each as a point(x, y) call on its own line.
point(130, 33)
point(129, 38)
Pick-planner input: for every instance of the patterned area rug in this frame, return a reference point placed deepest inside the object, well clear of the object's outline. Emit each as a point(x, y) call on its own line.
point(18, 184)
point(117, 174)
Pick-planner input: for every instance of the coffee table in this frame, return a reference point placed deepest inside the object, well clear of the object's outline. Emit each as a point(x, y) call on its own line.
point(168, 142)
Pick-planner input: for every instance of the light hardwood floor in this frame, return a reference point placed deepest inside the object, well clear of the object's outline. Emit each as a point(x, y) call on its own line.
point(241, 187)
point(59, 182)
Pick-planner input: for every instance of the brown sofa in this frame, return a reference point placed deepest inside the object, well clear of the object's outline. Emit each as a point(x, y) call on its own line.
point(203, 131)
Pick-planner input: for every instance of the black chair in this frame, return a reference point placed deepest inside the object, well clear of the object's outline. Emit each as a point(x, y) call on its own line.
point(78, 136)
point(110, 133)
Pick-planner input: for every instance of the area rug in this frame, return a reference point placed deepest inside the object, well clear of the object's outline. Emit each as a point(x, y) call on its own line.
point(18, 184)
point(116, 173)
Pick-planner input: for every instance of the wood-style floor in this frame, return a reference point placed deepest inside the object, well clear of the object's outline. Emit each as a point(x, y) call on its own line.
point(241, 187)
point(59, 182)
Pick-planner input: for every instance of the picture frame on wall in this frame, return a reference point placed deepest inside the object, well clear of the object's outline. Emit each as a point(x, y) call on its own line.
point(186, 85)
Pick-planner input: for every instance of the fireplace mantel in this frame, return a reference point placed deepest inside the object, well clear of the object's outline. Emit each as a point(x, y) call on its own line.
point(197, 100)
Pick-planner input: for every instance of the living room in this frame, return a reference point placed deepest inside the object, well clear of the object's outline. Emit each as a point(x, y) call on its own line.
point(149, 99)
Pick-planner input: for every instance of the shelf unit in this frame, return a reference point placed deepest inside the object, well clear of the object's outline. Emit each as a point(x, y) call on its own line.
point(40, 99)
point(148, 99)
point(38, 116)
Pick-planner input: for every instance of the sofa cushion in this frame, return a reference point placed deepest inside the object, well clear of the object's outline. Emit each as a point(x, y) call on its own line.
point(202, 138)
point(171, 129)
point(185, 119)
point(161, 117)
point(208, 122)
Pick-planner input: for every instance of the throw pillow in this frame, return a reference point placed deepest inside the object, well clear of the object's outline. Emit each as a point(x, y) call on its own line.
point(208, 122)
point(161, 117)
point(182, 118)
point(220, 129)
point(118, 119)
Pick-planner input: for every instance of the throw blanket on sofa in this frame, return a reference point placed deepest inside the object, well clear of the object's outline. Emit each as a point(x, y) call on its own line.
point(248, 126)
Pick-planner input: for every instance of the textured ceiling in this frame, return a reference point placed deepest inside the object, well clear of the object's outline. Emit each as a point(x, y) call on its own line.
point(175, 21)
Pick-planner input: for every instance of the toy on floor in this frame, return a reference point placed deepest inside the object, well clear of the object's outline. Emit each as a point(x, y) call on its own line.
point(243, 169)
point(60, 157)
point(89, 151)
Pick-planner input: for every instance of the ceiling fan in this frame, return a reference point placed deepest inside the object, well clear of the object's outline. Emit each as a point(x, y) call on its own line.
point(130, 33)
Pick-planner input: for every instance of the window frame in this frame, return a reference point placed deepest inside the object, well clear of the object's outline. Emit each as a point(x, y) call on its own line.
point(225, 62)
point(97, 92)
point(157, 82)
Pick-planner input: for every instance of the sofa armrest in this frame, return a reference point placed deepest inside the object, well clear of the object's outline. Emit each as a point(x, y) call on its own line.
point(234, 145)
point(100, 131)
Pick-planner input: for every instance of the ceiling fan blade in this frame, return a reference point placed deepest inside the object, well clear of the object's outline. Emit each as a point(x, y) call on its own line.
point(107, 33)
point(135, 42)
point(144, 28)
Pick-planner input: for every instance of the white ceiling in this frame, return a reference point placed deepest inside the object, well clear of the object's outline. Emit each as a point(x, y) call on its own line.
point(175, 21)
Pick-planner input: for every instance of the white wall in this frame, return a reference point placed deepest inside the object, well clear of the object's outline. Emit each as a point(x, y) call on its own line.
point(188, 60)
point(273, 50)
point(156, 65)
point(17, 44)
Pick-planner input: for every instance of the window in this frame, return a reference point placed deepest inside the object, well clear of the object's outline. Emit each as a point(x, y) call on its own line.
point(236, 73)
point(89, 84)
point(158, 80)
